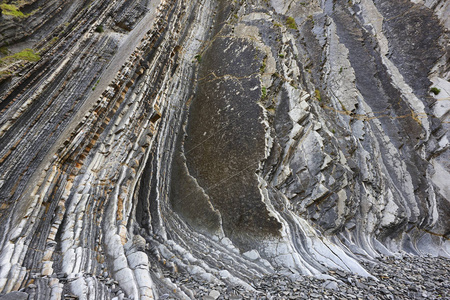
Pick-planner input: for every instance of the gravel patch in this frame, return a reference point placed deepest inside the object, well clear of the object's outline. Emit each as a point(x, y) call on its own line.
point(409, 277)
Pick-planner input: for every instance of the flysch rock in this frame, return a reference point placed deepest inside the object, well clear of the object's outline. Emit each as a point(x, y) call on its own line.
point(214, 149)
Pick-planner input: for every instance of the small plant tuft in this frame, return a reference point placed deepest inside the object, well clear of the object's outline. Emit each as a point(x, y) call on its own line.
point(290, 22)
point(12, 10)
point(281, 55)
point(317, 93)
point(198, 57)
point(95, 85)
point(5, 73)
point(4, 50)
point(99, 29)
point(435, 90)
point(263, 67)
point(26, 54)
point(264, 92)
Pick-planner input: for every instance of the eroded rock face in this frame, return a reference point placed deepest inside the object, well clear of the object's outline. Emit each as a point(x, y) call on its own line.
point(224, 142)
point(157, 144)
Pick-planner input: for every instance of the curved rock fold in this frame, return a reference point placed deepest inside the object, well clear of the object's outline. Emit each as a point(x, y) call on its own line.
point(164, 149)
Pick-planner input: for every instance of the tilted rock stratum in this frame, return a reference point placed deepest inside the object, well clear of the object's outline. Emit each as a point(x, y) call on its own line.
point(145, 143)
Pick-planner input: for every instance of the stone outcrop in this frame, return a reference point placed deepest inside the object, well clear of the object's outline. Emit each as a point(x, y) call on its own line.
point(151, 143)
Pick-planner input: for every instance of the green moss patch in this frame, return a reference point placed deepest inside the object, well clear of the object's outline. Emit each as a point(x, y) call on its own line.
point(290, 22)
point(26, 54)
point(4, 50)
point(12, 10)
point(435, 90)
point(317, 94)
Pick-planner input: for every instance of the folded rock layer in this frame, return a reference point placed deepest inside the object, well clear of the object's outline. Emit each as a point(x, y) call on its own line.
point(144, 142)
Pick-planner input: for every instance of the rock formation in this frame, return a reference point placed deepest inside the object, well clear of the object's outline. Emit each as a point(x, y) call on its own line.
point(225, 140)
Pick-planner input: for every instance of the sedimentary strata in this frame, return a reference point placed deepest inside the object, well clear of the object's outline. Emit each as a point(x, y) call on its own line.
point(172, 149)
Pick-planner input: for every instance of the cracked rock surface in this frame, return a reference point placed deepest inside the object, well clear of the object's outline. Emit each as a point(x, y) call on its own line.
point(210, 149)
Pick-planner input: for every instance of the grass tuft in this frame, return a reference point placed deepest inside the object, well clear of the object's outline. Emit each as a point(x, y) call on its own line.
point(290, 22)
point(317, 93)
point(4, 50)
point(435, 90)
point(99, 29)
point(263, 67)
point(277, 24)
point(12, 10)
point(26, 54)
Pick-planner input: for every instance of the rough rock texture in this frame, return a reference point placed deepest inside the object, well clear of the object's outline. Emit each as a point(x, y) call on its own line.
point(186, 149)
